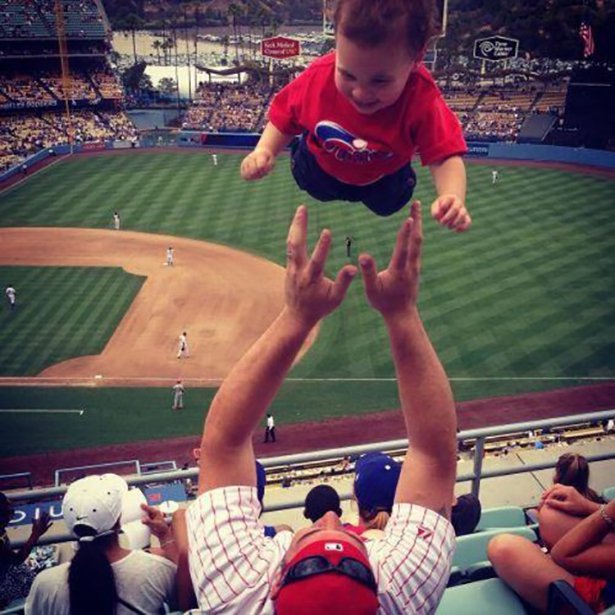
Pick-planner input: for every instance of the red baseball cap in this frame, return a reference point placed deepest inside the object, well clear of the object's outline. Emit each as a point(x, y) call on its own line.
point(327, 592)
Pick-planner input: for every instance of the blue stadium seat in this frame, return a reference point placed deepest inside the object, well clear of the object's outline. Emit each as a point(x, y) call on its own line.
point(491, 596)
point(503, 516)
point(470, 562)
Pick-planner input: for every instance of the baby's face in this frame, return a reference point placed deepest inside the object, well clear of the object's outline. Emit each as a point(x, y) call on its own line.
point(371, 78)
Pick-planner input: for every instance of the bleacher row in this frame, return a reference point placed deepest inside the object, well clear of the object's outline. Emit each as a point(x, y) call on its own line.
point(36, 19)
point(231, 108)
point(473, 586)
point(24, 134)
point(47, 86)
point(489, 113)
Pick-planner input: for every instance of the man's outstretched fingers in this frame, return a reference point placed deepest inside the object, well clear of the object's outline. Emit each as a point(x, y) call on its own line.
point(417, 232)
point(399, 258)
point(342, 281)
point(369, 273)
point(319, 255)
point(296, 250)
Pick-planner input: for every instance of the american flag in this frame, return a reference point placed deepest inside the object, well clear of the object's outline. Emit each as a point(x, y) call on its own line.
point(587, 36)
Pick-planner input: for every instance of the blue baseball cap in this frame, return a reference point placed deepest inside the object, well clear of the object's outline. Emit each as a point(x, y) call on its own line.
point(375, 481)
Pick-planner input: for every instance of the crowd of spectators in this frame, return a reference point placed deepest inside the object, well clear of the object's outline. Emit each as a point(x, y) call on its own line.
point(46, 87)
point(222, 107)
point(489, 112)
point(23, 134)
point(498, 112)
point(36, 19)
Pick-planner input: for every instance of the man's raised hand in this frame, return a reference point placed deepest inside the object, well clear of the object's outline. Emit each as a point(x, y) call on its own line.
point(309, 294)
point(394, 291)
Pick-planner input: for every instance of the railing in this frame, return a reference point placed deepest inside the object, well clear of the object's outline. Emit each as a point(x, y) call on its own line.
point(475, 476)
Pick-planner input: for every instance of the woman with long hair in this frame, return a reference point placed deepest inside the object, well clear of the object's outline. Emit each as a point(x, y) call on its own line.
point(103, 578)
point(572, 470)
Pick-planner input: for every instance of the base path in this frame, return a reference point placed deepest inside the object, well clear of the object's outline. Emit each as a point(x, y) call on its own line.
point(223, 298)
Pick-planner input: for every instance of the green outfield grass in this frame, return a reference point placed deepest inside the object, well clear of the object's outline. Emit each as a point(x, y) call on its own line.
point(526, 293)
point(61, 312)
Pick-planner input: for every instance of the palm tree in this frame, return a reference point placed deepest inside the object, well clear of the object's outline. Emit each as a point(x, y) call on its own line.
point(133, 23)
point(157, 45)
point(234, 11)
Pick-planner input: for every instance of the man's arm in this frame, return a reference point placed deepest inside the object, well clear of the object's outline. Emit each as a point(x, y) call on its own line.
point(227, 457)
point(449, 209)
point(428, 473)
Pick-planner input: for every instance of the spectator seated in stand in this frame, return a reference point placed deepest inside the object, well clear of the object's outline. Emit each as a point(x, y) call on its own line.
point(583, 552)
point(571, 470)
point(375, 483)
point(16, 576)
point(321, 500)
point(104, 577)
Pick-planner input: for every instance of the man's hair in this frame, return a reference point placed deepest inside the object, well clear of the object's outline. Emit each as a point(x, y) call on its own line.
point(370, 23)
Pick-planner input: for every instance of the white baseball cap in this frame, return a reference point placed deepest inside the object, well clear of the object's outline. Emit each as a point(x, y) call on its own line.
point(95, 501)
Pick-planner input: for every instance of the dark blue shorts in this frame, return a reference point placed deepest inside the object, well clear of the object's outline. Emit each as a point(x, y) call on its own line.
point(384, 197)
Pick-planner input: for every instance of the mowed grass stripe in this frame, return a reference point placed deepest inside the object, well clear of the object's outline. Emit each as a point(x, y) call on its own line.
point(526, 224)
point(62, 312)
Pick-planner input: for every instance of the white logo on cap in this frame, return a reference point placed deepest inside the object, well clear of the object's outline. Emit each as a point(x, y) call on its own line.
point(334, 546)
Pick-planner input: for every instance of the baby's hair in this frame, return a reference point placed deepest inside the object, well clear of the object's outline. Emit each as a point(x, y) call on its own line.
point(372, 22)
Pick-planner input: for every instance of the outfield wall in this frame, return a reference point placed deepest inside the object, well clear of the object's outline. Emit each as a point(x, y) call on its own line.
point(477, 149)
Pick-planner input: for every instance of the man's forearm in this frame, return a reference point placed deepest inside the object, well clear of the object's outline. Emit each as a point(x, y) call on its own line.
point(248, 391)
point(425, 394)
point(273, 140)
point(449, 177)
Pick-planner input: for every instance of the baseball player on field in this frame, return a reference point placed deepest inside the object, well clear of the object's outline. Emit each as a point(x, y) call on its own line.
point(170, 256)
point(183, 351)
point(178, 395)
point(11, 294)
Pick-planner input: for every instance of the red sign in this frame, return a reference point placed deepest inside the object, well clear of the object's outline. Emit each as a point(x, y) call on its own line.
point(280, 47)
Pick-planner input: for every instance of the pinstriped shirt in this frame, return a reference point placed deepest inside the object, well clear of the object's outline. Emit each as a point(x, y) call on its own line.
point(232, 563)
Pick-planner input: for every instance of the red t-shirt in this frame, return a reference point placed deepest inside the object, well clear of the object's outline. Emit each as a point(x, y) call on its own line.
point(359, 149)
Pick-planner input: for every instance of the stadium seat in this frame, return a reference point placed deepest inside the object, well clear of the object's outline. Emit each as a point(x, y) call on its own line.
point(470, 562)
point(501, 517)
point(491, 596)
point(609, 494)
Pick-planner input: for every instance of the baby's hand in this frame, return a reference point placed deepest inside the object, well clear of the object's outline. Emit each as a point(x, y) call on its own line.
point(257, 164)
point(450, 211)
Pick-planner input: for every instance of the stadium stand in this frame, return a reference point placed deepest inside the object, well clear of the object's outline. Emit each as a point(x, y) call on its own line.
point(228, 108)
point(33, 93)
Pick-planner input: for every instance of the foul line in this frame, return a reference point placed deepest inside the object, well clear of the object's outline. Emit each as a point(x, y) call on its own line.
point(41, 411)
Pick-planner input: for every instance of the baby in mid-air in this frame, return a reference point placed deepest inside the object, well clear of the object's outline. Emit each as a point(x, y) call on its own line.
point(364, 110)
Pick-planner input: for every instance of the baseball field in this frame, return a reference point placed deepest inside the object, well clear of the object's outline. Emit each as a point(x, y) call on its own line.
point(522, 302)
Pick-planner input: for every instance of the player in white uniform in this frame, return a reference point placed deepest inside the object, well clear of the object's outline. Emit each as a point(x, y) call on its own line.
point(170, 256)
point(183, 350)
point(494, 176)
point(116, 220)
point(10, 293)
point(214, 157)
point(178, 395)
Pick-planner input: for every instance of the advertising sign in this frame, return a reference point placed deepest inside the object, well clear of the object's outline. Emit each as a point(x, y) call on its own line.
point(496, 48)
point(280, 47)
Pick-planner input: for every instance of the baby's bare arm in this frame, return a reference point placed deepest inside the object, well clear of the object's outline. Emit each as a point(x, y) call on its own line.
point(260, 162)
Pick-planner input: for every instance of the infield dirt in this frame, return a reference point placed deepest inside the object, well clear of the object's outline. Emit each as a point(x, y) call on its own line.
point(223, 298)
